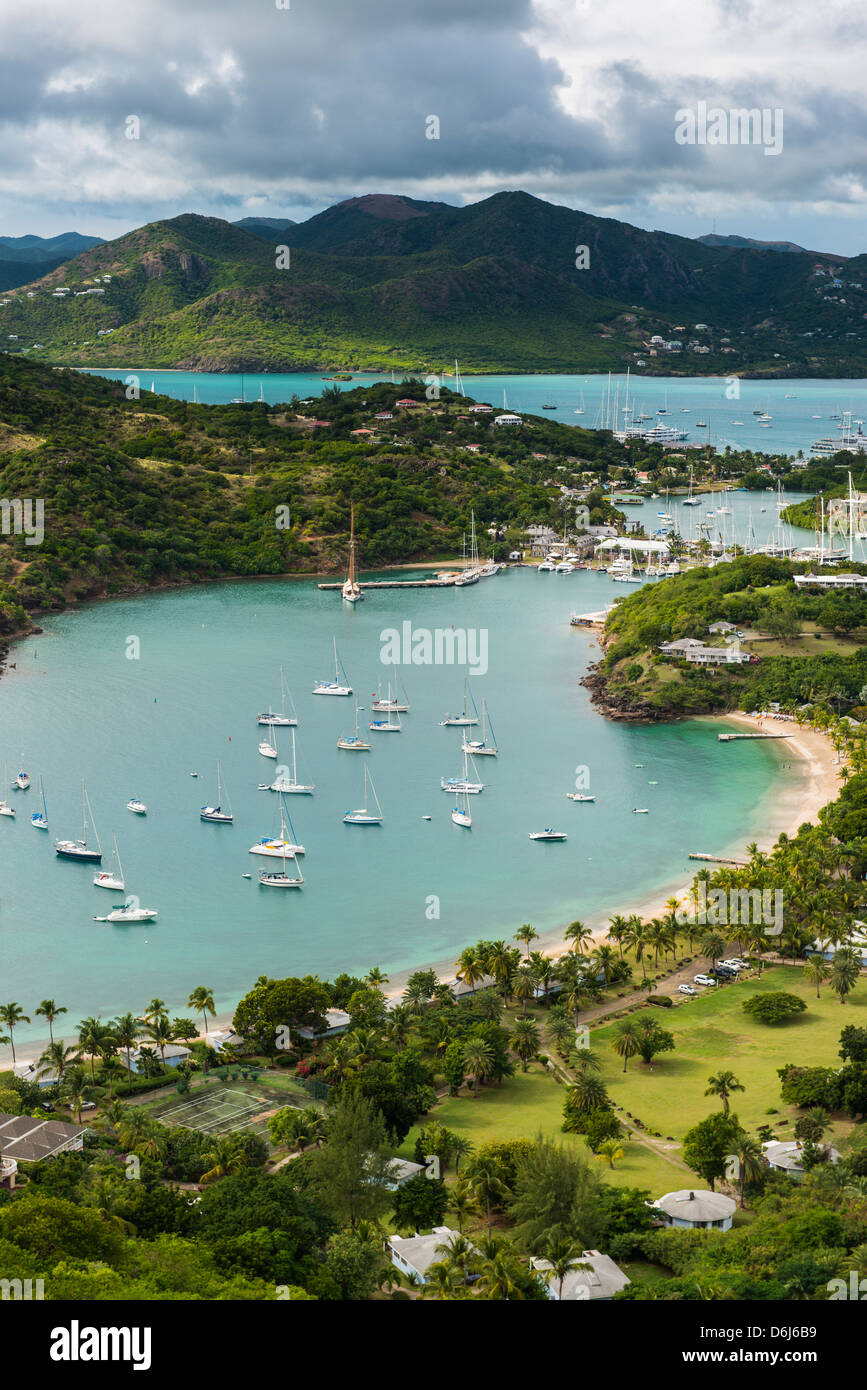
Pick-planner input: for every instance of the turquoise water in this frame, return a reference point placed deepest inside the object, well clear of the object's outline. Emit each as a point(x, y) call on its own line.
point(688, 400)
point(76, 707)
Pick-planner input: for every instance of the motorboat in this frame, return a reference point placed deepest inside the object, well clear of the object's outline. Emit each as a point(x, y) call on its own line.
point(548, 834)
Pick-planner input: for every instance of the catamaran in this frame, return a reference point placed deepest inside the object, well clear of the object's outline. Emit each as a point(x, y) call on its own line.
point(39, 819)
point(291, 784)
point(279, 847)
point(334, 687)
point(461, 813)
point(464, 718)
point(485, 746)
point(113, 877)
point(268, 746)
point(216, 813)
point(463, 783)
point(353, 743)
point(79, 849)
point(351, 590)
point(364, 815)
point(281, 720)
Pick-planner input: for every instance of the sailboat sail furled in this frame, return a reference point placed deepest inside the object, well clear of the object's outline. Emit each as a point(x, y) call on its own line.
point(218, 813)
point(335, 687)
point(80, 849)
point(351, 588)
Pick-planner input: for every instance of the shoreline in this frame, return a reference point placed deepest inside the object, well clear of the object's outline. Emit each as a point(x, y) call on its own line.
point(817, 782)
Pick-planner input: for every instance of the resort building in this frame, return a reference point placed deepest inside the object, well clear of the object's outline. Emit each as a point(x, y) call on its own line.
point(832, 581)
point(508, 419)
point(601, 1281)
point(696, 1210)
point(24, 1139)
point(414, 1255)
point(690, 649)
point(336, 1021)
point(786, 1156)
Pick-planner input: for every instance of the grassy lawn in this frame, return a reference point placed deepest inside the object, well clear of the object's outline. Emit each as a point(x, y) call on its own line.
point(713, 1033)
point(216, 1106)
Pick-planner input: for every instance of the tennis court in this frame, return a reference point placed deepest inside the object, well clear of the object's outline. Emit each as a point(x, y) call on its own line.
point(215, 1110)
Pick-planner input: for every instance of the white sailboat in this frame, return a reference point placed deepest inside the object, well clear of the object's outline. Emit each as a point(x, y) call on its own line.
point(391, 701)
point(463, 783)
point(281, 879)
point(364, 815)
point(5, 808)
point(353, 743)
point(486, 746)
point(281, 720)
point(464, 719)
point(580, 410)
point(22, 779)
point(216, 813)
point(113, 877)
point(291, 784)
point(268, 746)
point(79, 849)
point(39, 819)
point(691, 501)
point(279, 847)
point(334, 687)
point(461, 813)
point(351, 590)
point(391, 724)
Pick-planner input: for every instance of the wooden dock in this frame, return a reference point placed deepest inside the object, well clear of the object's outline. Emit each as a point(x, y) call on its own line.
point(729, 738)
point(397, 584)
point(719, 859)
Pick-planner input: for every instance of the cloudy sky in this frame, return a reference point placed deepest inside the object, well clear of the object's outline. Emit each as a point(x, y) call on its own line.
point(246, 108)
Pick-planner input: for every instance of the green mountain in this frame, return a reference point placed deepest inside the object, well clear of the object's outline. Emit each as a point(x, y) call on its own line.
point(715, 239)
point(141, 493)
point(384, 281)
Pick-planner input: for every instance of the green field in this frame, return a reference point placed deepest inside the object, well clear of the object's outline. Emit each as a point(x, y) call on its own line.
point(712, 1033)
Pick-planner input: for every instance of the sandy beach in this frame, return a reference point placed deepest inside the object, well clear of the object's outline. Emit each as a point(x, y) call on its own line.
point(809, 778)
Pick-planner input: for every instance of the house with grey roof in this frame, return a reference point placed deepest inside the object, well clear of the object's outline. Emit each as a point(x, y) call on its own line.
point(414, 1255)
point(24, 1139)
point(696, 1209)
point(786, 1156)
point(601, 1280)
point(336, 1021)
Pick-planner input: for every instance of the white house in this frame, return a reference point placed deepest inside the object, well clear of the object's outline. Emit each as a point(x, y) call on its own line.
point(696, 1210)
point(601, 1281)
point(508, 419)
point(414, 1255)
point(336, 1021)
point(785, 1155)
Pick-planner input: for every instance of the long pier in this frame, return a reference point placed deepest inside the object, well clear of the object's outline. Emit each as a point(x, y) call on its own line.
point(718, 859)
point(729, 738)
point(397, 584)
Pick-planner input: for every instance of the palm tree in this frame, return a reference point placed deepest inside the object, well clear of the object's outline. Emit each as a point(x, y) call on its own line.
point(126, 1030)
point(462, 1202)
point(441, 1282)
point(525, 1040)
point(375, 977)
point(603, 960)
point(95, 1039)
point(458, 1254)
point(487, 1187)
point(610, 1150)
point(470, 968)
point(748, 1152)
point(722, 1084)
point(11, 1015)
point(524, 985)
point(397, 1026)
point(561, 1255)
point(580, 936)
point(845, 969)
point(478, 1061)
point(202, 1000)
point(713, 945)
point(56, 1059)
point(618, 930)
point(110, 1070)
point(588, 1092)
point(224, 1157)
point(156, 1008)
point(526, 933)
point(817, 972)
point(49, 1011)
point(461, 1147)
point(76, 1089)
point(545, 970)
point(498, 1277)
point(161, 1031)
point(626, 1041)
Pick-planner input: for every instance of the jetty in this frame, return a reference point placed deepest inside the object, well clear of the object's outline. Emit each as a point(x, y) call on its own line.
point(399, 583)
point(590, 619)
point(719, 859)
point(729, 738)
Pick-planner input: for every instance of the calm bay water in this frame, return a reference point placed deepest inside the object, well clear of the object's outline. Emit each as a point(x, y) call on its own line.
point(75, 707)
point(688, 400)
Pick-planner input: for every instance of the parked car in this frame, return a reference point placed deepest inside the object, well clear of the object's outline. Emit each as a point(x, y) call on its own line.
point(686, 989)
point(46, 1106)
point(89, 1105)
point(703, 980)
point(722, 973)
point(733, 964)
